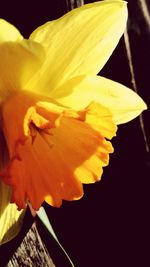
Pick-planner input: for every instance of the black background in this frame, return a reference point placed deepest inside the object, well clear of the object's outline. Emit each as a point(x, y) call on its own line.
point(110, 226)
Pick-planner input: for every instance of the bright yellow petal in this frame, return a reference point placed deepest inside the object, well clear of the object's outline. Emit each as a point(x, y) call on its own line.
point(78, 43)
point(123, 103)
point(8, 32)
point(10, 217)
point(18, 62)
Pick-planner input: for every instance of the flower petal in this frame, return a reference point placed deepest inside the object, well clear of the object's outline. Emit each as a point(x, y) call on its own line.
point(19, 61)
point(53, 150)
point(8, 32)
point(123, 103)
point(10, 217)
point(78, 43)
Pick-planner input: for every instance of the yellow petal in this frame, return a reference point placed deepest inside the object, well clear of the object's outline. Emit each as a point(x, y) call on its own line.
point(18, 62)
point(123, 103)
point(10, 217)
point(8, 32)
point(78, 43)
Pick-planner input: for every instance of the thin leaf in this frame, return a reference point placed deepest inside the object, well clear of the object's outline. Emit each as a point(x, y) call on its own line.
point(45, 220)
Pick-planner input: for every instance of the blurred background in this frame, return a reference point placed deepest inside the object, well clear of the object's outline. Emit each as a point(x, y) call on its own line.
point(110, 225)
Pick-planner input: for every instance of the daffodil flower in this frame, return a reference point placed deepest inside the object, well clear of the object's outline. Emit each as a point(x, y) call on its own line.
point(57, 115)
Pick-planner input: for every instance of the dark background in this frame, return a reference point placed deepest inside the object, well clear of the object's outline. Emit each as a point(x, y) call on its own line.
point(110, 226)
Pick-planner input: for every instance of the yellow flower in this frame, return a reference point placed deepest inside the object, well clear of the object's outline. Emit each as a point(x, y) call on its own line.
point(56, 113)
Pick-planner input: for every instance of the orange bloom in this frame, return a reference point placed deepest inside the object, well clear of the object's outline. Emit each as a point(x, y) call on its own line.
point(53, 149)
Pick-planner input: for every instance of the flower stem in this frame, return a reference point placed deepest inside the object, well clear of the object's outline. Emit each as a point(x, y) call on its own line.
point(134, 85)
point(71, 4)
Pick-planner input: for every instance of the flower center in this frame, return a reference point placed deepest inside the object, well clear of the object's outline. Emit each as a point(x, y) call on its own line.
point(53, 149)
